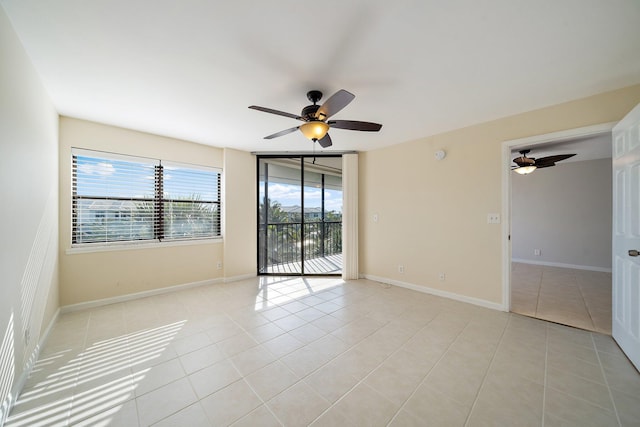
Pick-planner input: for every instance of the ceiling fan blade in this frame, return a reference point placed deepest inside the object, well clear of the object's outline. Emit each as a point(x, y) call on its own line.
point(552, 159)
point(279, 113)
point(325, 142)
point(355, 125)
point(335, 103)
point(282, 133)
point(544, 165)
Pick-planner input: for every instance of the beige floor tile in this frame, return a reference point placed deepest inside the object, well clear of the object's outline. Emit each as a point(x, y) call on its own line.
point(458, 376)
point(261, 416)
point(125, 414)
point(230, 404)
point(398, 376)
point(191, 343)
point(405, 419)
point(328, 323)
point(236, 344)
point(191, 416)
point(312, 356)
point(157, 376)
point(297, 406)
point(331, 383)
point(310, 314)
point(506, 366)
point(49, 412)
point(252, 359)
point(272, 379)
point(567, 363)
point(283, 344)
point(290, 322)
point(266, 332)
point(213, 378)
point(165, 401)
point(202, 358)
point(503, 399)
point(438, 409)
point(307, 333)
point(628, 407)
point(332, 418)
point(576, 411)
point(365, 406)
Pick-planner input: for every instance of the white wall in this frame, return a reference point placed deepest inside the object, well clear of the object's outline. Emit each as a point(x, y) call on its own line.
point(565, 211)
point(29, 214)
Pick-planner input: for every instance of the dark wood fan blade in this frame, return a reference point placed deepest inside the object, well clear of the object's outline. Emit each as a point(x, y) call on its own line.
point(337, 102)
point(325, 142)
point(282, 133)
point(279, 113)
point(552, 159)
point(355, 125)
point(544, 165)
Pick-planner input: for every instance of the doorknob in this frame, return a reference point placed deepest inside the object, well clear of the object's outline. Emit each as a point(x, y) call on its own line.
point(634, 252)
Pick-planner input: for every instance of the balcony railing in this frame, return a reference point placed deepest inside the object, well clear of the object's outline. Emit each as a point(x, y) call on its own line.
point(284, 243)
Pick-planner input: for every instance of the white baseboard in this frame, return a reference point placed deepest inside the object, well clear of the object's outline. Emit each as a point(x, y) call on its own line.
point(18, 385)
point(129, 297)
point(240, 277)
point(437, 292)
point(560, 264)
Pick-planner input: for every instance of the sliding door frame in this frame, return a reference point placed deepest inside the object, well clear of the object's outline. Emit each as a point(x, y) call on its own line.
point(259, 255)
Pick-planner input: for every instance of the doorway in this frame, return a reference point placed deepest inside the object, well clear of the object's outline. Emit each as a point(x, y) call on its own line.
point(558, 284)
point(299, 214)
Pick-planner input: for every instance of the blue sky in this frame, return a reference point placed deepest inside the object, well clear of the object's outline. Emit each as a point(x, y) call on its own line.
point(289, 195)
point(130, 179)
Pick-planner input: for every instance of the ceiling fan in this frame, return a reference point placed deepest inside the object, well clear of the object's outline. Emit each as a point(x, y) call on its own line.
point(526, 165)
point(317, 125)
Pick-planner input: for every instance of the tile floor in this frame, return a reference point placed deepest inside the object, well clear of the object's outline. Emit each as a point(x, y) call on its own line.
point(322, 352)
point(572, 297)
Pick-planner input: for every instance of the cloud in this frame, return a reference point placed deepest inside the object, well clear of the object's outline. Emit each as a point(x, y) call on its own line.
point(102, 168)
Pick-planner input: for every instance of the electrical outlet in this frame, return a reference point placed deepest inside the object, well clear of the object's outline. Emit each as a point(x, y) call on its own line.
point(401, 269)
point(493, 218)
point(219, 265)
point(441, 276)
point(537, 252)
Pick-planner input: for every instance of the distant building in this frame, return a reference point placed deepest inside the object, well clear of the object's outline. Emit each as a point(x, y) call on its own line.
point(294, 213)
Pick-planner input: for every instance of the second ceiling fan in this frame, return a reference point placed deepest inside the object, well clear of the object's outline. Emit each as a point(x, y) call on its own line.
point(526, 165)
point(316, 118)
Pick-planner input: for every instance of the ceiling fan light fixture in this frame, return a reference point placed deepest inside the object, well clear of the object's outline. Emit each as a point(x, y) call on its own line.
point(525, 170)
point(314, 130)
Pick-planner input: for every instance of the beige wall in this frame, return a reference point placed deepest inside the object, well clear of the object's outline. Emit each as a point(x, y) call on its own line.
point(433, 214)
point(565, 211)
point(240, 222)
point(97, 275)
point(29, 214)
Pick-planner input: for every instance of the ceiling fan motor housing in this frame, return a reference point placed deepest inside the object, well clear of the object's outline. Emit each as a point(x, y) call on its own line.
point(314, 96)
point(309, 112)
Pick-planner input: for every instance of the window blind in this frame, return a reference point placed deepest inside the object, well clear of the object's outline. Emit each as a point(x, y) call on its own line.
point(120, 198)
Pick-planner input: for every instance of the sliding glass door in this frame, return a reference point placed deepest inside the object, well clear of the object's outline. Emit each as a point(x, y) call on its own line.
point(299, 215)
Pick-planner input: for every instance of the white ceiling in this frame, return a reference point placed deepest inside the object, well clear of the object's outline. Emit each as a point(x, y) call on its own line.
point(189, 69)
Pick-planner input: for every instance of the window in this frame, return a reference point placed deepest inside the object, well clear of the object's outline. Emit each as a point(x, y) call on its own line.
point(122, 199)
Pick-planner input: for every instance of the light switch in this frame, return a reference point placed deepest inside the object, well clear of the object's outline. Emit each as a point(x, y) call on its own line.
point(375, 217)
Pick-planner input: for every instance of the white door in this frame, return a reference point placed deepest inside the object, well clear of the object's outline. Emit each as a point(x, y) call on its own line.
point(626, 235)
